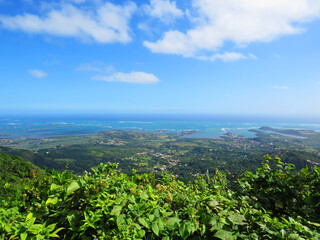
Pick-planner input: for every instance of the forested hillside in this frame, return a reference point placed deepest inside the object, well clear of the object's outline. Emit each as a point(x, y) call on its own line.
point(158, 152)
point(13, 172)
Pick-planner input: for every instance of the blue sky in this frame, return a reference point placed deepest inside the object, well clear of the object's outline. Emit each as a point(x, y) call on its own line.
point(160, 56)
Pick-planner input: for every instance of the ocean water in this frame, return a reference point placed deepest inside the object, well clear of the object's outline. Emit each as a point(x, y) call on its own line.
point(206, 126)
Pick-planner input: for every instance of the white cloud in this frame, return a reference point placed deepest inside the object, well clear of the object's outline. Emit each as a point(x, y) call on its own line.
point(227, 57)
point(144, 27)
point(173, 42)
point(238, 21)
point(38, 73)
point(107, 23)
point(133, 77)
point(281, 87)
point(77, 1)
point(165, 10)
point(95, 67)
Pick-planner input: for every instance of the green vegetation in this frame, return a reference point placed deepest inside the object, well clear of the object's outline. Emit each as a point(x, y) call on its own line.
point(177, 193)
point(44, 143)
point(300, 139)
point(269, 203)
point(158, 152)
point(13, 172)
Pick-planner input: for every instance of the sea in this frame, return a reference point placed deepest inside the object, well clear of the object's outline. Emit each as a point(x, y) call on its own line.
point(206, 126)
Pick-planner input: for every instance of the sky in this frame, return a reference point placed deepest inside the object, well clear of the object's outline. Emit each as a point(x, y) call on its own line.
point(241, 57)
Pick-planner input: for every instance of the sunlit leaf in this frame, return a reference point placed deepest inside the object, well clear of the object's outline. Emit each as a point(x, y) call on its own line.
point(224, 235)
point(143, 222)
point(23, 236)
point(116, 210)
point(237, 219)
point(52, 201)
point(74, 186)
point(155, 228)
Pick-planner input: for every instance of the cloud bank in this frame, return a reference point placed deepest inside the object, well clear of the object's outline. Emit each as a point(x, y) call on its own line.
point(241, 22)
point(105, 24)
point(164, 10)
point(133, 77)
point(210, 27)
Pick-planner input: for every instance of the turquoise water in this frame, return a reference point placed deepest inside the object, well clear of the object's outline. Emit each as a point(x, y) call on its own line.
point(207, 127)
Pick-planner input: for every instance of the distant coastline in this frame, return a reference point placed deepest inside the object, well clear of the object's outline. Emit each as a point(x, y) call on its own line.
point(213, 128)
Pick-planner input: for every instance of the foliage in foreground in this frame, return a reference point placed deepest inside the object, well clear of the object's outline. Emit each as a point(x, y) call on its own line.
point(268, 204)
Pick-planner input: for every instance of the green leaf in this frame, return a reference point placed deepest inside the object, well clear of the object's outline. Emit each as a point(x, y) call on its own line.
point(144, 196)
point(74, 186)
point(185, 230)
point(23, 236)
point(40, 237)
point(54, 235)
point(71, 218)
point(237, 219)
point(155, 228)
point(190, 227)
point(160, 224)
point(52, 201)
point(214, 220)
point(29, 216)
point(203, 229)
point(143, 222)
point(54, 187)
point(35, 229)
point(217, 226)
point(121, 221)
point(151, 217)
point(156, 213)
point(213, 203)
point(293, 236)
point(314, 224)
point(224, 235)
point(51, 227)
point(56, 231)
point(137, 226)
point(173, 222)
point(141, 233)
point(132, 199)
point(7, 228)
point(116, 210)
